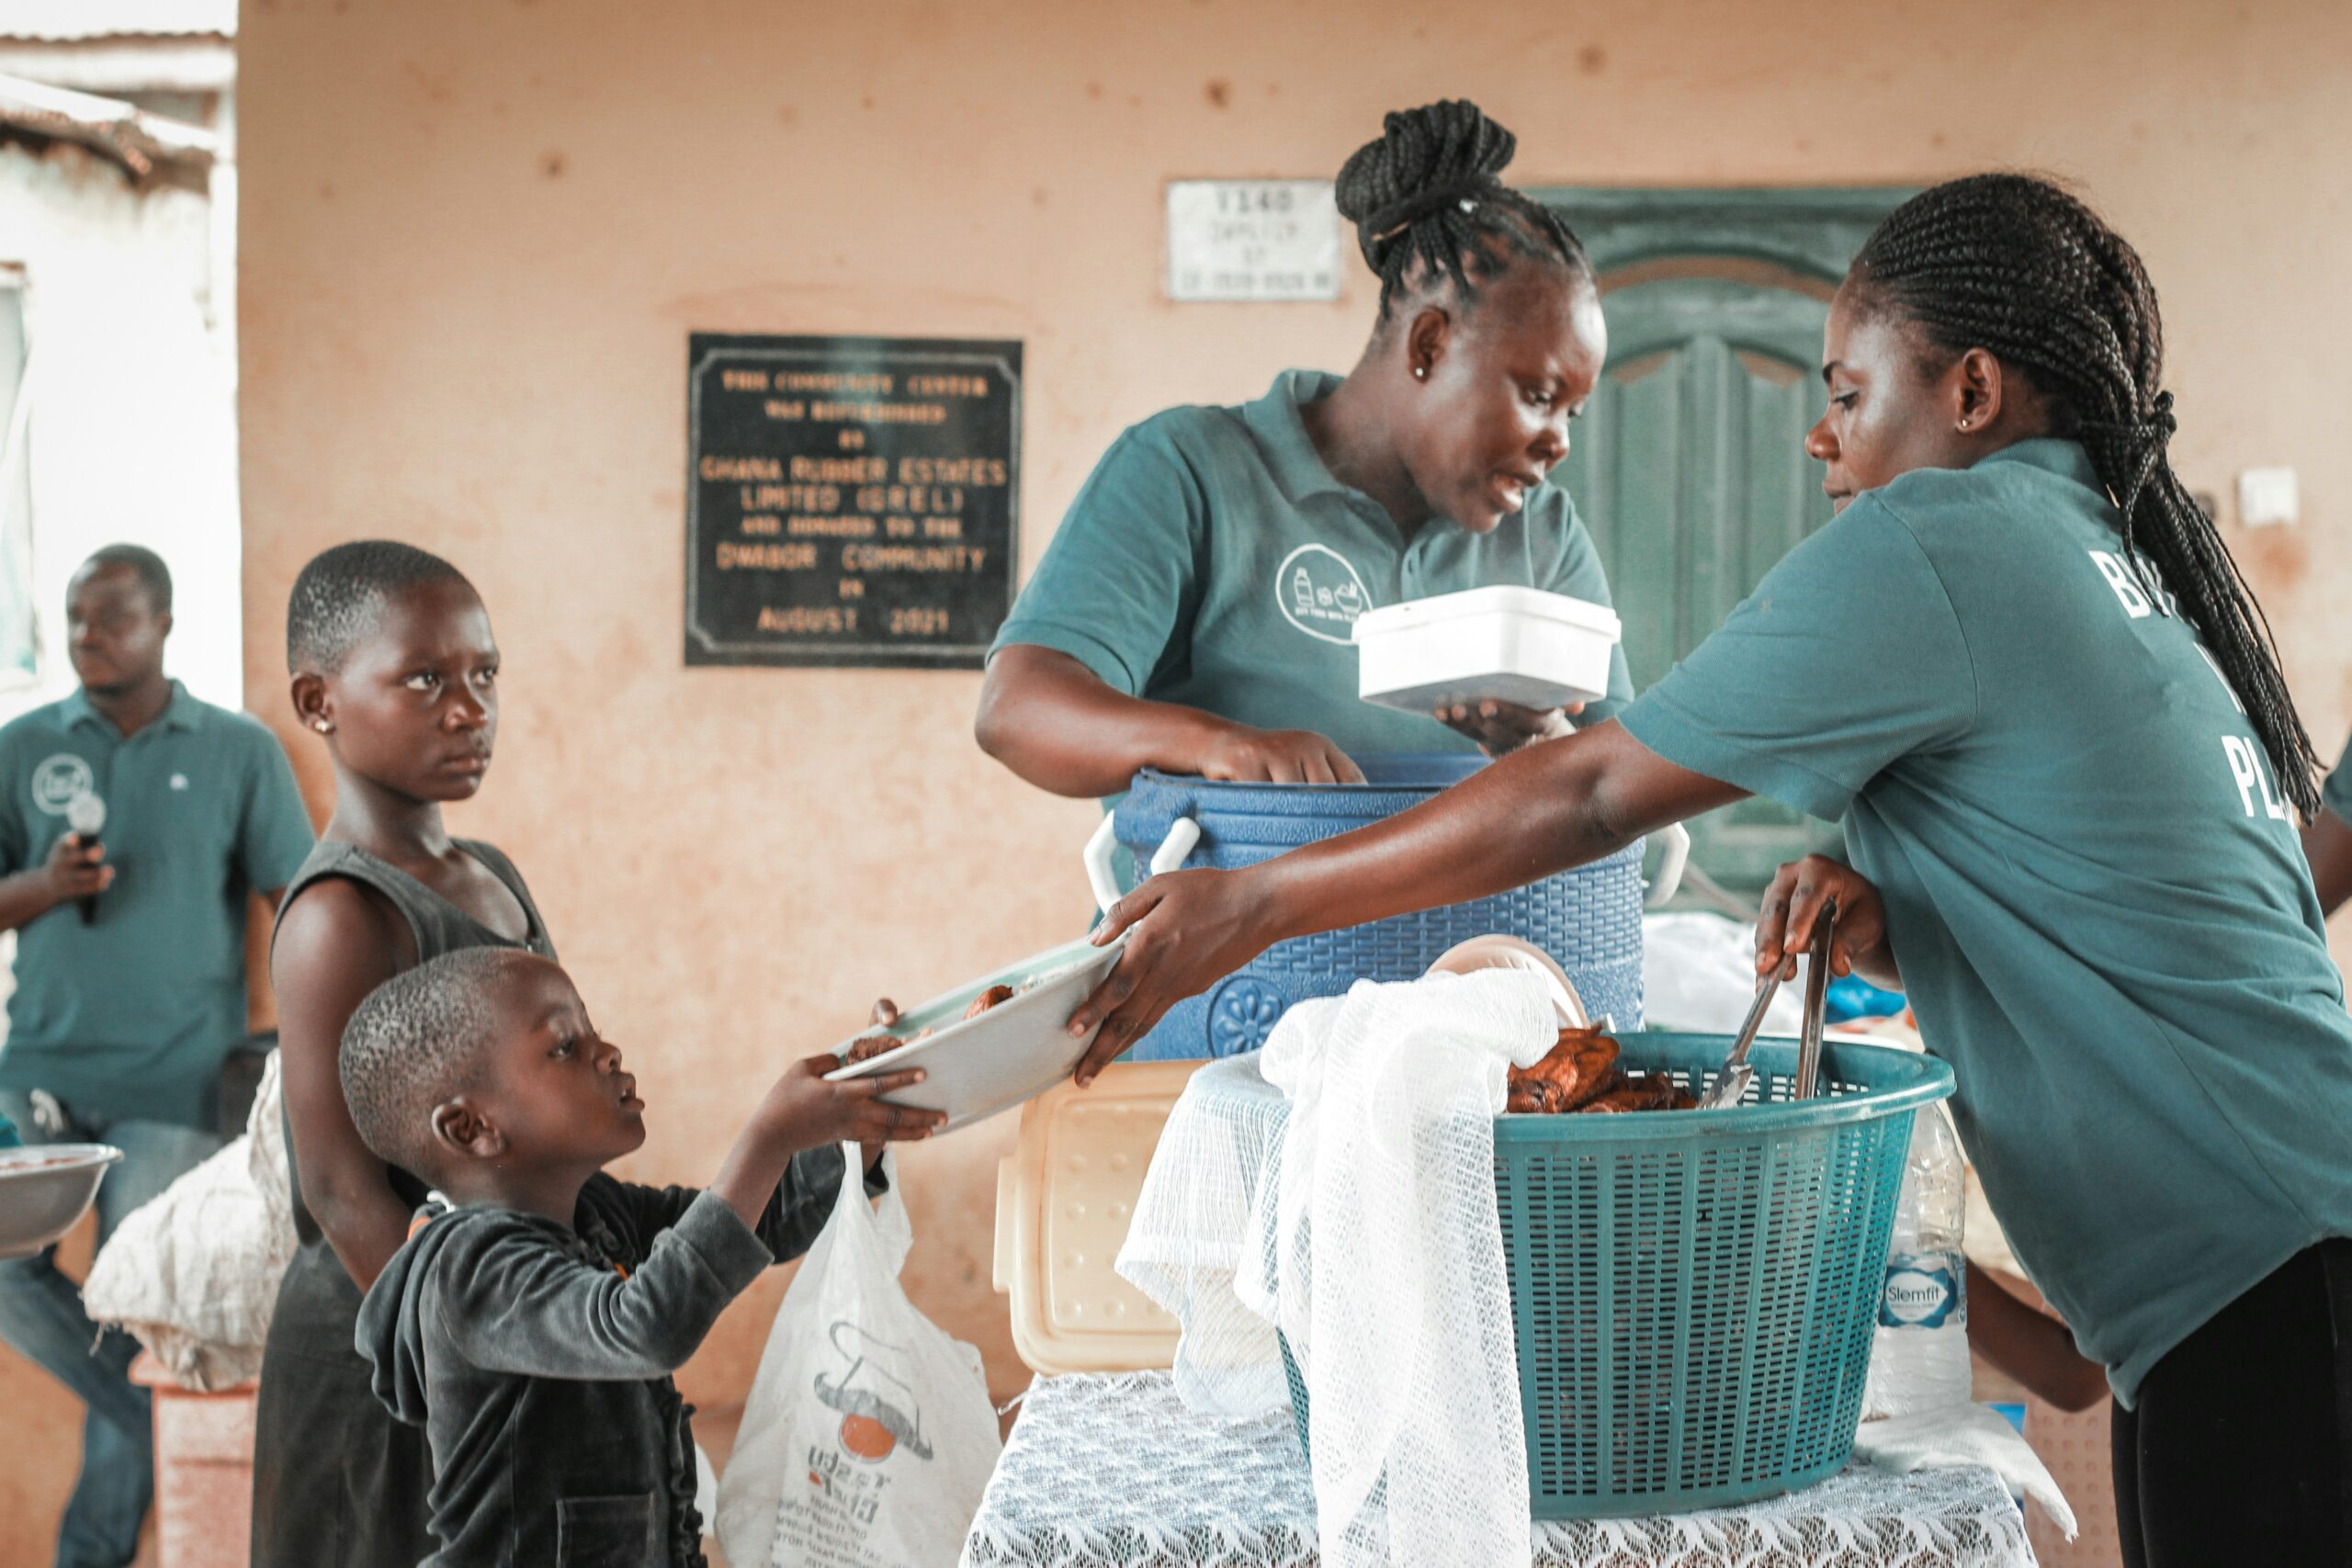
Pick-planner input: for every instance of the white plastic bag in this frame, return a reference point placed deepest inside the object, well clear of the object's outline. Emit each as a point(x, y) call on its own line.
point(1699, 974)
point(868, 1436)
point(193, 1272)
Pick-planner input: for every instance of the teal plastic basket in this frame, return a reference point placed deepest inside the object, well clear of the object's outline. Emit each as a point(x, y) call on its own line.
point(1694, 1292)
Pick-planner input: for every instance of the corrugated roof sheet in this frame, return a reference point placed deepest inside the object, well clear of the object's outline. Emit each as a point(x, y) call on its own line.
point(137, 140)
point(76, 20)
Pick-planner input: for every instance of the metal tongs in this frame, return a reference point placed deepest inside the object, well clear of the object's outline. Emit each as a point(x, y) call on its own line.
point(1733, 1076)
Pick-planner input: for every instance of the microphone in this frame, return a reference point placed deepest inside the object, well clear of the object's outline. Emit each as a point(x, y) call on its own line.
point(87, 815)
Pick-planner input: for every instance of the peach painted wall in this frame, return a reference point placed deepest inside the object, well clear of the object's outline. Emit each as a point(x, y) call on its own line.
point(476, 235)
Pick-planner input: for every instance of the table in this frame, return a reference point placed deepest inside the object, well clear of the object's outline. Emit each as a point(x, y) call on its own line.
point(1112, 1470)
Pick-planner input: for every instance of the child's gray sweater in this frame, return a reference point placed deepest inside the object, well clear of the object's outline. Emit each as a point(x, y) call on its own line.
point(537, 1358)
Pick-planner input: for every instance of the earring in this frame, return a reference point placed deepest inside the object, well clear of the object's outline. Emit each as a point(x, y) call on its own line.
point(322, 726)
point(1421, 372)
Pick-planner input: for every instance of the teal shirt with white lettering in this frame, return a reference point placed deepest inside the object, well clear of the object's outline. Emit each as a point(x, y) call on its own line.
point(130, 1014)
point(2095, 894)
point(1213, 561)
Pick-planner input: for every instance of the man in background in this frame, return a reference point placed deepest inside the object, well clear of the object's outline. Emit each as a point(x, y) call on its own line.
point(131, 970)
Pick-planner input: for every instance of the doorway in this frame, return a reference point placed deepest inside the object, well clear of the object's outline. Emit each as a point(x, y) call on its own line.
point(1689, 466)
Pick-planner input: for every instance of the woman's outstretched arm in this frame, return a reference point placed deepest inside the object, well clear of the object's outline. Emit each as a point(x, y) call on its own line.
point(1554, 805)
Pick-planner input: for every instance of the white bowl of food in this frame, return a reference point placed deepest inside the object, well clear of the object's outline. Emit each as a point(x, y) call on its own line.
point(992, 1043)
point(44, 1188)
point(1521, 645)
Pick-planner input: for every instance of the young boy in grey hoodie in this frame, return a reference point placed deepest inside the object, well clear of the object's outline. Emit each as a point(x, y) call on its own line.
point(532, 1319)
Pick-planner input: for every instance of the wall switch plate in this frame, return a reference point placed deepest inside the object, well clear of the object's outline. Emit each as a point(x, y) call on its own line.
point(2267, 496)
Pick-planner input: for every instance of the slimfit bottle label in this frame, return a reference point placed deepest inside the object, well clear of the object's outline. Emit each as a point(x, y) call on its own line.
point(1923, 1291)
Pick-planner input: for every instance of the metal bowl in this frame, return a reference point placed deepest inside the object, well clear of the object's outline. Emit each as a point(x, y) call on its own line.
point(44, 1189)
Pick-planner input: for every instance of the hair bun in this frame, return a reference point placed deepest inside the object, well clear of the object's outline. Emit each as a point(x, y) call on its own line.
point(1423, 155)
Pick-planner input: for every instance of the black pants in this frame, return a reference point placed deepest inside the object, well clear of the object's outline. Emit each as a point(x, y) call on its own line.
point(2241, 1449)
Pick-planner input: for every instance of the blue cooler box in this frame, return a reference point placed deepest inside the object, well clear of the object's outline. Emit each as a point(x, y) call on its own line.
point(1589, 920)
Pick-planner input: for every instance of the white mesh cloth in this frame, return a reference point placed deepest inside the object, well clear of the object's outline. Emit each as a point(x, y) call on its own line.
point(1206, 1207)
point(1113, 1471)
point(1387, 1276)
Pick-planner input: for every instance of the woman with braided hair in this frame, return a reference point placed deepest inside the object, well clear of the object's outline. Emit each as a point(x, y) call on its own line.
point(1192, 612)
point(2021, 666)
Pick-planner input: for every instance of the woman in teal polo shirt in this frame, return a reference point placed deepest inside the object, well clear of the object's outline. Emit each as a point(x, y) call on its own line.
point(1192, 612)
point(2021, 665)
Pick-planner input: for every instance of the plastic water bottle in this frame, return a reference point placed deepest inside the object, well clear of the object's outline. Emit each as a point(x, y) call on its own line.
point(1919, 1357)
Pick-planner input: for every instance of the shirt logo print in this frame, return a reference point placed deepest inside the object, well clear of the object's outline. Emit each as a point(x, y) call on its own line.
point(60, 781)
point(1318, 591)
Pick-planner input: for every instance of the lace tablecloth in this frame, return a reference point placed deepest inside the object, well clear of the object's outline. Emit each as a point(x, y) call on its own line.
point(1112, 1472)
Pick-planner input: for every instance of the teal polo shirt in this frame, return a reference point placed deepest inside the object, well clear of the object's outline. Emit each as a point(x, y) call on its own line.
point(131, 1015)
point(1212, 560)
point(2093, 887)
point(2336, 793)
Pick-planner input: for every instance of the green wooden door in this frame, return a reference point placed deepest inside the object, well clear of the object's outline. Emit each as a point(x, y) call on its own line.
point(1689, 465)
point(1690, 468)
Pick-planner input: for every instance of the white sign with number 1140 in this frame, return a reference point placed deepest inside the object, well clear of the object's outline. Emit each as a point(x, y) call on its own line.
point(1252, 240)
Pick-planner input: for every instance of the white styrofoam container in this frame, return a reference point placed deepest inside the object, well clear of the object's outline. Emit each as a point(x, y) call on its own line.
point(1507, 644)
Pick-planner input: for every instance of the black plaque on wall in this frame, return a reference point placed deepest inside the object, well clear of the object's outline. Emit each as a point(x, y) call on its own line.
point(850, 501)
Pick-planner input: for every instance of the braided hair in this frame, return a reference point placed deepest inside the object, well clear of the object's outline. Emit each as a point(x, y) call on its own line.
point(1427, 204)
point(2014, 265)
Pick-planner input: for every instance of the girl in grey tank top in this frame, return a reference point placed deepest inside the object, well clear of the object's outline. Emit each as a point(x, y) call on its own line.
point(393, 663)
point(315, 1399)
point(436, 926)
point(368, 1503)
